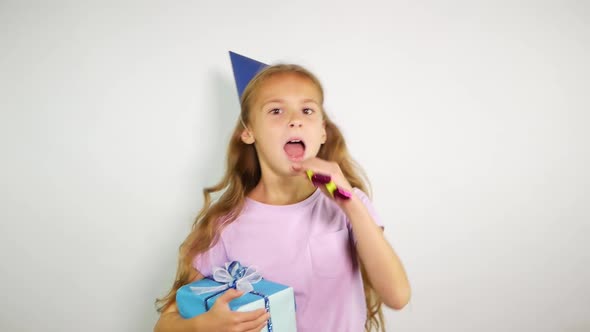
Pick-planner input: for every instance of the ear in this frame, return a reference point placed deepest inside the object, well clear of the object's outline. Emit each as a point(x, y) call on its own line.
point(324, 133)
point(247, 136)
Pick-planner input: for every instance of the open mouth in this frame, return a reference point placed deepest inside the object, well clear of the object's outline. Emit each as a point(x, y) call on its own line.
point(295, 149)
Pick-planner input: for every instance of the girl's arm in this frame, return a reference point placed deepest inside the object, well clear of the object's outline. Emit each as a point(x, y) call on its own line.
point(219, 319)
point(171, 321)
point(384, 268)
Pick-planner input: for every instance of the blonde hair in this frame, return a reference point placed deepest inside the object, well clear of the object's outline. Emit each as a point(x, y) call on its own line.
point(243, 174)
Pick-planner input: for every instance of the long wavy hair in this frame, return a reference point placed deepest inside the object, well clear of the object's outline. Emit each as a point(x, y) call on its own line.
point(243, 173)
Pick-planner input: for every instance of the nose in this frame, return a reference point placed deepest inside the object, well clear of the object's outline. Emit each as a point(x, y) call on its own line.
point(295, 120)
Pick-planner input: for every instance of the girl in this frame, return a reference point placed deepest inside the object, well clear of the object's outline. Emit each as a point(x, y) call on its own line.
point(270, 215)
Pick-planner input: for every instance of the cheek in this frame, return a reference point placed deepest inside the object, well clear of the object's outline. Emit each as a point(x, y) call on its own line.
point(272, 122)
point(318, 128)
point(269, 137)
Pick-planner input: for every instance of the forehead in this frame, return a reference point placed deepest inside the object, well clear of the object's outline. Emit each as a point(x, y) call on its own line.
point(290, 85)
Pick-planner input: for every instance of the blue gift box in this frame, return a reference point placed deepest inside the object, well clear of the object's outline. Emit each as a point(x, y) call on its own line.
point(278, 299)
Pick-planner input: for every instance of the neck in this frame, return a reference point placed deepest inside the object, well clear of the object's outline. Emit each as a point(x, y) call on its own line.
point(274, 189)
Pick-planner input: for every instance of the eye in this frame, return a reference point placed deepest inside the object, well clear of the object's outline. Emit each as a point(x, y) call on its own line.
point(308, 111)
point(275, 111)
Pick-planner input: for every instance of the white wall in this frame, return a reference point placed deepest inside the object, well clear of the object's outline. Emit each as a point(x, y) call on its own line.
point(470, 118)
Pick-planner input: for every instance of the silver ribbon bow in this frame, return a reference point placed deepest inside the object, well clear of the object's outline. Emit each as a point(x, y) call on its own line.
point(234, 275)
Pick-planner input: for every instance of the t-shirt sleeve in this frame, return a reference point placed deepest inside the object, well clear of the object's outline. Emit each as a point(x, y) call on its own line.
point(215, 256)
point(369, 205)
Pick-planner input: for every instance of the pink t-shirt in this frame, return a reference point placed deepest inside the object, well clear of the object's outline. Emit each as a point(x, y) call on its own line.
point(306, 245)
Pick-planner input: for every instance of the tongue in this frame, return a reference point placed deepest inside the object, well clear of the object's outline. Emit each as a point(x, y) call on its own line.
point(294, 150)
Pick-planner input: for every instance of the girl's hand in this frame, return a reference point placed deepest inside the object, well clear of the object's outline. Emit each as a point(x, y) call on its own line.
point(221, 318)
point(325, 171)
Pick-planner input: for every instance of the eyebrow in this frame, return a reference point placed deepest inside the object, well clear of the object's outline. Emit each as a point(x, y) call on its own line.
point(307, 100)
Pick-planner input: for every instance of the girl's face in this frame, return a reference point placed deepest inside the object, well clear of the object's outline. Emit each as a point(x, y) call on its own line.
point(286, 122)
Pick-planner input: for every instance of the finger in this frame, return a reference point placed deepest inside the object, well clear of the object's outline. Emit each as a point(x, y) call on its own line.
point(328, 186)
point(228, 296)
point(254, 324)
point(324, 189)
point(324, 181)
point(317, 178)
point(315, 164)
point(249, 316)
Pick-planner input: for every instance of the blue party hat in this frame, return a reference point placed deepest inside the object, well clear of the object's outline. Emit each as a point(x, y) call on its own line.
point(244, 70)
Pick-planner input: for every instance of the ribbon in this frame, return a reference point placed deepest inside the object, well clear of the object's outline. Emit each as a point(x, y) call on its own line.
point(234, 275)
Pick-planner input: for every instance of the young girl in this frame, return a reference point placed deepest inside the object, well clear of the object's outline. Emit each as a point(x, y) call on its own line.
point(330, 250)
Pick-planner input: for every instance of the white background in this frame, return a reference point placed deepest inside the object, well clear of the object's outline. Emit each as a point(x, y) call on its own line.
point(470, 118)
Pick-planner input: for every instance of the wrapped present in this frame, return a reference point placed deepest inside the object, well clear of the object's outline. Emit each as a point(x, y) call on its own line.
point(198, 297)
